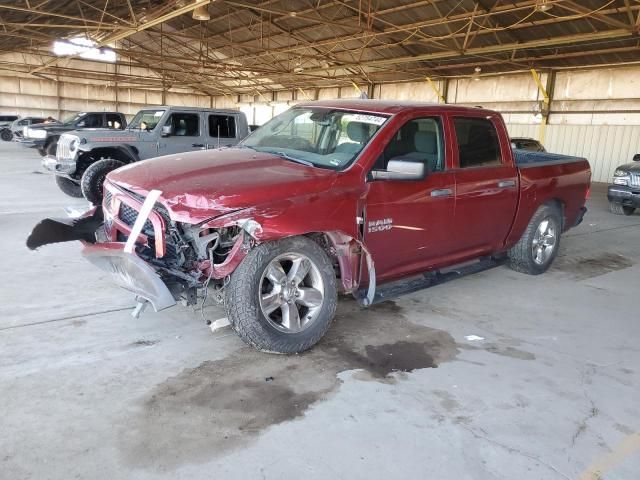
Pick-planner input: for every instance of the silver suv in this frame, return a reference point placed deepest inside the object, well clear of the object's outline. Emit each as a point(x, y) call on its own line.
point(84, 158)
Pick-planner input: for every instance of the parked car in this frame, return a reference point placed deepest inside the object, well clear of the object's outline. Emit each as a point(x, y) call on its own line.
point(44, 137)
point(365, 197)
point(624, 194)
point(83, 158)
point(18, 126)
point(5, 126)
point(522, 143)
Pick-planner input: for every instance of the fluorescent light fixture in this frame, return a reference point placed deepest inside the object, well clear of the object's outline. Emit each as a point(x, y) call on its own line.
point(83, 48)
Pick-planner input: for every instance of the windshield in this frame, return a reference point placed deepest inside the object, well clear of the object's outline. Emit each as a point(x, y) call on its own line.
point(72, 119)
point(316, 136)
point(146, 119)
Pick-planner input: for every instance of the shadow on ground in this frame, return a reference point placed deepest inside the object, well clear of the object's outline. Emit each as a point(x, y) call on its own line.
point(223, 404)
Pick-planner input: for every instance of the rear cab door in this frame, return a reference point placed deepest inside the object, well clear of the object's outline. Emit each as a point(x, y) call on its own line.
point(486, 182)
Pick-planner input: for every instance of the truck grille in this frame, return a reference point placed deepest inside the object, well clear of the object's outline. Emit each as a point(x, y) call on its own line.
point(634, 179)
point(128, 215)
point(63, 151)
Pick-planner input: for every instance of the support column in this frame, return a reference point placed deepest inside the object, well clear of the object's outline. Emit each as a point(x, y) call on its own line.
point(434, 87)
point(547, 96)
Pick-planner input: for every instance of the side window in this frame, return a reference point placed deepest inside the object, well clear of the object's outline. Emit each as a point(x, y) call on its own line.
point(93, 120)
point(418, 140)
point(184, 124)
point(478, 144)
point(114, 121)
point(223, 126)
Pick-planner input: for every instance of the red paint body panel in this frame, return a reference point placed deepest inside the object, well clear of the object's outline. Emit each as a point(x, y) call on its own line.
point(217, 188)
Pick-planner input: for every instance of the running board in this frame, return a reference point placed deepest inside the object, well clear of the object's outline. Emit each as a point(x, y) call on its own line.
point(426, 280)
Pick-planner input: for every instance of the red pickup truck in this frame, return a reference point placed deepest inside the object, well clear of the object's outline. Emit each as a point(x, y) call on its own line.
point(365, 197)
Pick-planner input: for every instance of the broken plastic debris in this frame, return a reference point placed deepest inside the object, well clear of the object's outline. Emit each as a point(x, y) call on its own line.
point(76, 212)
point(220, 323)
point(473, 338)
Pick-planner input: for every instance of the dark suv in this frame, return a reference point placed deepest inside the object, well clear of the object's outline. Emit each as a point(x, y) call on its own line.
point(624, 194)
point(45, 136)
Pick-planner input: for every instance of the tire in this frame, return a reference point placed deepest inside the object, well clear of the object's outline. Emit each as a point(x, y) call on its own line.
point(93, 178)
point(6, 135)
point(251, 293)
point(537, 248)
point(620, 209)
point(69, 187)
point(50, 149)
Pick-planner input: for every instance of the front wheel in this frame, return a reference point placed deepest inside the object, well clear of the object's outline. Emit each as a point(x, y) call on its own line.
point(94, 176)
point(620, 209)
point(6, 135)
point(69, 187)
point(537, 248)
point(282, 297)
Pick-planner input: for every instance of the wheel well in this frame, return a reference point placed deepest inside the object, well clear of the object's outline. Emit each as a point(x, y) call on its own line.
point(51, 140)
point(114, 153)
point(560, 207)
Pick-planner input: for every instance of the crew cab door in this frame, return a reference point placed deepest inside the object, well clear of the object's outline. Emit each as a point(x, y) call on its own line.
point(486, 184)
point(408, 223)
point(222, 130)
point(184, 135)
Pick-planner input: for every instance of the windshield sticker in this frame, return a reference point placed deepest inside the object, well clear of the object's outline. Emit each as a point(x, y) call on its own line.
point(158, 114)
point(368, 119)
point(335, 162)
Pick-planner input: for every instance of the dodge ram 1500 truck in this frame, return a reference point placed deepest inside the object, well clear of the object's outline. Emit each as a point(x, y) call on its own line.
point(365, 197)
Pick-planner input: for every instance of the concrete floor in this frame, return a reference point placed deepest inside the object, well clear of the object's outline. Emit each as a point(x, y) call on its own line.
point(550, 392)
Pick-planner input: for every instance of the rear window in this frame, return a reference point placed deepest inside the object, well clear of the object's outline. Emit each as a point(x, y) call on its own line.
point(223, 126)
point(478, 144)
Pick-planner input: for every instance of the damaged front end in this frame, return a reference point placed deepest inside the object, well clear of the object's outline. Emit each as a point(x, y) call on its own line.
point(161, 261)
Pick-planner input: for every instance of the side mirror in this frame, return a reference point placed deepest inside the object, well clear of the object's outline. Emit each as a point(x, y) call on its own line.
point(636, 157)
point(166, 131)
point(401, 170)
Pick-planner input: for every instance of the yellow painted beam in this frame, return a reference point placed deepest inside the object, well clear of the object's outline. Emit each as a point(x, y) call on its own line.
point(546, 100)
point(435, 88)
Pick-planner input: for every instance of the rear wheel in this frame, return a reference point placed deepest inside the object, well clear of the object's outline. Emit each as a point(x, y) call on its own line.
point(537, 248)
point(282, 297)
point(69, 187)
point(620, 209)
point(94, 176)
point(6, 135)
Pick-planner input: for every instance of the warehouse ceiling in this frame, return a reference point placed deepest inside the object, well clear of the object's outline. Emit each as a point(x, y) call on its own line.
point(260, 46)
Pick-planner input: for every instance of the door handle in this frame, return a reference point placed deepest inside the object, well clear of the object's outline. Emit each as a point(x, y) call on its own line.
point(506, 183)
point(444, 192)
point(200, 145)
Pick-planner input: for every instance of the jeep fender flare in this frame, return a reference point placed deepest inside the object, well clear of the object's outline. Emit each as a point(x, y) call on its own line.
point(123, 153)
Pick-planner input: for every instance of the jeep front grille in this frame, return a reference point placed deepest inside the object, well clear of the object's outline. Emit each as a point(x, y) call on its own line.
point(63, 151)
point(634, 179)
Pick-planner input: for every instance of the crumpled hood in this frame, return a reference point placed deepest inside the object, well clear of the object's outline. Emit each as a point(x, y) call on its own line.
point(198, 186)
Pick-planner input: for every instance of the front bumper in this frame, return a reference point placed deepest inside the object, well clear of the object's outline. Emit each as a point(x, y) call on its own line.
point(627, 196)
point(130, 272)
point(59, 166)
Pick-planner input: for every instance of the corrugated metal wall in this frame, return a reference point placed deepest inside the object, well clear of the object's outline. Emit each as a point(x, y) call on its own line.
point(605, 146)
point(594, 113)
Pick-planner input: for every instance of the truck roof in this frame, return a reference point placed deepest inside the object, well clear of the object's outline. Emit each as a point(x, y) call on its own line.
point(390, 106)
point(192, 109)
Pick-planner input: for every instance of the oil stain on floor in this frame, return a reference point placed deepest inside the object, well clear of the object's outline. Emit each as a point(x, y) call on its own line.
point(220, 405)
point(582, 268)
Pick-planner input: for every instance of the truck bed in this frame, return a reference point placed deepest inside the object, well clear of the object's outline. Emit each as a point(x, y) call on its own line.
point(527, 158)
